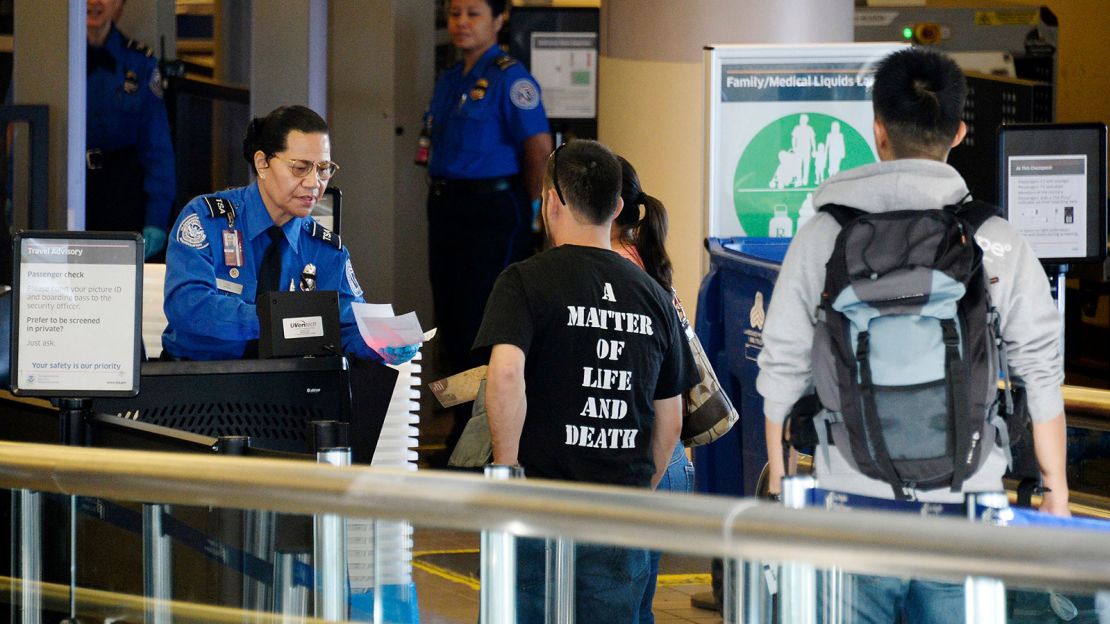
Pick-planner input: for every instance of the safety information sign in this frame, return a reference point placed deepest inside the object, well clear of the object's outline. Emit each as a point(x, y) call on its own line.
point(782, 119)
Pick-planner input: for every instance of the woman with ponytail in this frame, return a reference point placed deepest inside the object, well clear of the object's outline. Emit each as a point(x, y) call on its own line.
point(639, 233)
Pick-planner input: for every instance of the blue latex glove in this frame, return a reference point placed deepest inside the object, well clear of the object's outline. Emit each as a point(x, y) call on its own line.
point(537, 205)
point(155, 241)
point(399, 355)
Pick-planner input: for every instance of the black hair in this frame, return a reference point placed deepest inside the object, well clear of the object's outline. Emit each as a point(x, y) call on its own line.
point(496, 7)
point(589, 179)
point(648, 234)
point(268, 134)
point(919, 96)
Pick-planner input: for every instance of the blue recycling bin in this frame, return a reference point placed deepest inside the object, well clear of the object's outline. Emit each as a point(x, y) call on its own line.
point(732, 304)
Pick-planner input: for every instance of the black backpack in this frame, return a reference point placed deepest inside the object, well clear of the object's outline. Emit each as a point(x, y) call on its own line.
point(907, 350)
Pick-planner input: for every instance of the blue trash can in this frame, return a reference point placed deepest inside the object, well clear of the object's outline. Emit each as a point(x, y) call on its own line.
point(732, 304)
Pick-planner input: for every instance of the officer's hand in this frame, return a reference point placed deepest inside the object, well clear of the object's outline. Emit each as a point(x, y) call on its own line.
point(399, 355)
point(155, 241)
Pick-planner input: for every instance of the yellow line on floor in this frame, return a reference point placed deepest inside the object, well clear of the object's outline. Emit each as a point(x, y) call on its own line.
point(683, 579)
point(665, 580)
point(446, 574)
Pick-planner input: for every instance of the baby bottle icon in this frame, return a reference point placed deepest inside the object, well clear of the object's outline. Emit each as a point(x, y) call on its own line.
point(781, 226)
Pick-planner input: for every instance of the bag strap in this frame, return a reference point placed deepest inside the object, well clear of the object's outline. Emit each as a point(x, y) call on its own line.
point(974, 212)
point(959, 403)
point(842, 214)
point(872, 427)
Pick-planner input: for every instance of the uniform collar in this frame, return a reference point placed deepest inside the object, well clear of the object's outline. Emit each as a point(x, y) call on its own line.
point(115, 43)
point(256, 222)
point(485, 60)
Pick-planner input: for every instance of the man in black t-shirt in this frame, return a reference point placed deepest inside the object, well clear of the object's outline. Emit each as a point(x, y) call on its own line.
point(586, 371)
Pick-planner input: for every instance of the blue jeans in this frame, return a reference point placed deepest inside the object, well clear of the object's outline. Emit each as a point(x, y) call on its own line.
point(608, 582)
point(678, 478)
point(880, 599)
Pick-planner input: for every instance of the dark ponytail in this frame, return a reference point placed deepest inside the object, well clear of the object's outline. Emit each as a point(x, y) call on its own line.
point(648, 234)
point(268, 134)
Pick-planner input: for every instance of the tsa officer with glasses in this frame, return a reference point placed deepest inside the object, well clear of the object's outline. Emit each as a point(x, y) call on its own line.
point(229, 248)
point(486, 140)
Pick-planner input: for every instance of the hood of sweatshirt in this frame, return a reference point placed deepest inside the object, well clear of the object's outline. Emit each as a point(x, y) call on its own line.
point(904, 184)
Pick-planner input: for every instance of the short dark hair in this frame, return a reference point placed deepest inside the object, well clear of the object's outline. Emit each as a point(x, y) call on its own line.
point(919, 96)
point(497, 7)
point(589, 179)
point(268, 134)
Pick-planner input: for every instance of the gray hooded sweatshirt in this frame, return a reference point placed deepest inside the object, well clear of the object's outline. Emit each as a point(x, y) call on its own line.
point(1019, 289)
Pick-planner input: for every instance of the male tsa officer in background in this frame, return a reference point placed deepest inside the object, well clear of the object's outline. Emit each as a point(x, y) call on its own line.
point(129, 184)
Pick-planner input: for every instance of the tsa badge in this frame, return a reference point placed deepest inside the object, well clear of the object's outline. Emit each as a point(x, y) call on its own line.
point(130, 82)
point(479, 90)
point(308, 277)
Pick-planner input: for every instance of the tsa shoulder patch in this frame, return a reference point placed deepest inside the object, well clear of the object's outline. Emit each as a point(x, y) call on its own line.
point(220, 207)
point(191, 233)
point(351, 280)
point(524, 94)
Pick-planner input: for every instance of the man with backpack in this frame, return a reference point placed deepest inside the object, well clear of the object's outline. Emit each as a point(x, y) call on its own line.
point(899, 303)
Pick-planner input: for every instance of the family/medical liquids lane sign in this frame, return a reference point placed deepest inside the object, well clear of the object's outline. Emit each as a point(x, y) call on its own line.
point(781, 120)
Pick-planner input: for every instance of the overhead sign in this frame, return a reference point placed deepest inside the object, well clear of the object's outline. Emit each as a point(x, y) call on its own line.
point(781, 120)
point(75, 314)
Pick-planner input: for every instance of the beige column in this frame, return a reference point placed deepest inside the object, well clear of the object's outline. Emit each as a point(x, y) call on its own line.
point(651, 100)
point(49, 68)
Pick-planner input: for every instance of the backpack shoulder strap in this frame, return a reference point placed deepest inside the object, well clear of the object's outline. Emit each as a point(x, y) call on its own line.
point(974, 212)
point(842, 214)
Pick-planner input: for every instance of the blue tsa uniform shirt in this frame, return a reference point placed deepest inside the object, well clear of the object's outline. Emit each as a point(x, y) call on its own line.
point(212, 263)
point(126, 122)
point(480, 121)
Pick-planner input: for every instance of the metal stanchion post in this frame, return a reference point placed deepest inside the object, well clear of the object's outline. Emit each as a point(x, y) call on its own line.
point(498, 564)
point(797, 581)
point(157, 566)
point(559, 581)
point(290, 600)
point(985, 598)
point(330, 531)
point(28, 523)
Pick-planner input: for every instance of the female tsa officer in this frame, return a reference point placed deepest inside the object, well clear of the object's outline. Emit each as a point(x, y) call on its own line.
point(229, 248)
point(489, 145)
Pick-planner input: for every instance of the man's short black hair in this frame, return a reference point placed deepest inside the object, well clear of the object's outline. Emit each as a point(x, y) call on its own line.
point(587, 177)
point(919, 96)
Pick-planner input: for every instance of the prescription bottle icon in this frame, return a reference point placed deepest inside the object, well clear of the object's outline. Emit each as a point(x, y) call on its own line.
point(781, 226)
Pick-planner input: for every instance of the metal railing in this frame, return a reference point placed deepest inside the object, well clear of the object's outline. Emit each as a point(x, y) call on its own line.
point(860, 541)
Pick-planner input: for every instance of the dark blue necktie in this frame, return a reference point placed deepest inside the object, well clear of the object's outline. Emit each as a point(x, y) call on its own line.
point(269, 274)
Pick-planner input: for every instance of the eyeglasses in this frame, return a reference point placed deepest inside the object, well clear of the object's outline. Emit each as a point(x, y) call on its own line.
point(325, 169)
point(555, 173)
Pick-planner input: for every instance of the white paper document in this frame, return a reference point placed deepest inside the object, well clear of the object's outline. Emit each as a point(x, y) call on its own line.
point(380, 328)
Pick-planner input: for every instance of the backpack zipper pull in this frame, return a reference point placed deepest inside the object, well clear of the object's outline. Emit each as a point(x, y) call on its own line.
point(963, 234)
point(971, 451)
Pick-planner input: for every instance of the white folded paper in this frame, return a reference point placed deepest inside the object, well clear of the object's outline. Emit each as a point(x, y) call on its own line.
point(380, 328)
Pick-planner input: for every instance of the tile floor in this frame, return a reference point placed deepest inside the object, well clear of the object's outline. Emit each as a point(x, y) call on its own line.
point(448, 593)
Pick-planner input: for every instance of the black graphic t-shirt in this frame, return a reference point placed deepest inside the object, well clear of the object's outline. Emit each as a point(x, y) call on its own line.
point(602, 342)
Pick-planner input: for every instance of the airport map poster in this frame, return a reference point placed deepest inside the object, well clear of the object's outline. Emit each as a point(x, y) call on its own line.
point(76, 315)
point(782, 119)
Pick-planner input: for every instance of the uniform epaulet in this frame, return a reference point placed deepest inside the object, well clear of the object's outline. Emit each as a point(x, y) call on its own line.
point(138, 46)
point(318, 231)
point(504, 62)
point(220, 207)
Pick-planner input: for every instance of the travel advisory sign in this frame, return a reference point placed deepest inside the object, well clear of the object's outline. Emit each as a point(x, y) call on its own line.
point(782, 119)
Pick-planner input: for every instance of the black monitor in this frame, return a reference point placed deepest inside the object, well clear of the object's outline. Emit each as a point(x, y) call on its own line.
point(271, 401)
point(1052, 188)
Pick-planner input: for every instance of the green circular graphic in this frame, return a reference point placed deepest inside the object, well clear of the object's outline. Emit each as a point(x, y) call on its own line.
point(784, 164)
